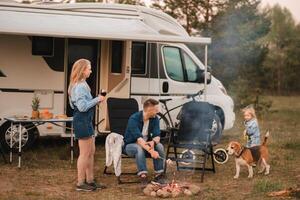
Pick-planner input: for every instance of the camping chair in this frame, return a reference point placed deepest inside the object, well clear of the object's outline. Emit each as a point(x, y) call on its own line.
point(119, 111)
point(194, 134)
point(2, 154)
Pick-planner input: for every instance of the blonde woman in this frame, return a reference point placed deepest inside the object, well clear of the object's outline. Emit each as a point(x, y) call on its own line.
point(251, 132)
point(83, 105)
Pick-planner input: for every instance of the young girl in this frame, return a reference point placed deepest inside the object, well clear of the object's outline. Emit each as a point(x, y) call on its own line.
point(84, 104)
point(251, 127)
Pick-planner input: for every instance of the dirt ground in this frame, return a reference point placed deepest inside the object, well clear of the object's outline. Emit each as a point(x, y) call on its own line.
point(47, 173)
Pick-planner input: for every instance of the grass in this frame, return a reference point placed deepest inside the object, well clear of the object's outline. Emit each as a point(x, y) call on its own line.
point(263, 186)
point(48, 174)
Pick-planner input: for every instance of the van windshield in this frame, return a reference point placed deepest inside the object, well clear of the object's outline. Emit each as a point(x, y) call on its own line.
point(191, 68)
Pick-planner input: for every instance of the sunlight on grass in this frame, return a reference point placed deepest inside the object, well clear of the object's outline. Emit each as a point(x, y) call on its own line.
point(263, 186)
point(293, 145)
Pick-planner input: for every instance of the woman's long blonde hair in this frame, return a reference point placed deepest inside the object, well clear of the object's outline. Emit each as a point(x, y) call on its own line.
point(77, 73)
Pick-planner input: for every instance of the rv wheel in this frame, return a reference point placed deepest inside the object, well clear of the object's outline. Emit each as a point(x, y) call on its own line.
point(29, 135)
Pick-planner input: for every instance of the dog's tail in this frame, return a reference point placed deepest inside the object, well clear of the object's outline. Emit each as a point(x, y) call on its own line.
point(266, 137)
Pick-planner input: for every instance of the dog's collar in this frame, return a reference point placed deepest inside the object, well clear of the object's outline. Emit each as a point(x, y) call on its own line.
point(241, 152)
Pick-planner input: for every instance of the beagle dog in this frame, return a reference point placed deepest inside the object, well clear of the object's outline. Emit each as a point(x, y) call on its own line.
point(249, 156)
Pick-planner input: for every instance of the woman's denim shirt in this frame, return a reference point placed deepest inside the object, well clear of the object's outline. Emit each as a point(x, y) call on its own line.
point(81, 97)
point(252, 132)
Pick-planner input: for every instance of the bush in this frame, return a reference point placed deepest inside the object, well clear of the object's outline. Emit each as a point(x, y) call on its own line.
point(245, 93)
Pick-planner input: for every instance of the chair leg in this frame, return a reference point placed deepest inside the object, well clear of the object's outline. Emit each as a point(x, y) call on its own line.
point(119, 180)
point(212, 159)
point(3, 155)
point(203, 169)
point(105, 170)
point(176, 158)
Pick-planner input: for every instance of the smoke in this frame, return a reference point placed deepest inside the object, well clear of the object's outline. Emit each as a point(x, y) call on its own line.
point(236, 33)
point(196, 122)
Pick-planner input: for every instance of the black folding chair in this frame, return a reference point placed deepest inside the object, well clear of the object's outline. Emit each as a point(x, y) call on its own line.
point(2, 154)
point(119, 111)
point(193, 134)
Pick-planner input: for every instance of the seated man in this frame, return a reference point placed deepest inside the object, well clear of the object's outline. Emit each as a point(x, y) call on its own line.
point(142, 137)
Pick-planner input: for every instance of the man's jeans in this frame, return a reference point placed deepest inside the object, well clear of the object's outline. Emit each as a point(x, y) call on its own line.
point(135, 150)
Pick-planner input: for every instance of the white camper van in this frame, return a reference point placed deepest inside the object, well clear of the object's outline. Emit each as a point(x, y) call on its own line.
point(135, 52)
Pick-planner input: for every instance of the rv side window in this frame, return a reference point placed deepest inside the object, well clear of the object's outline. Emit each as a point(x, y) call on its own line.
point(51, 49)
point(173, 63)
point(138, 58)
point(116, 56)
point(191, 68)
point(42, 46)
point(56, 62)
point(2, 74)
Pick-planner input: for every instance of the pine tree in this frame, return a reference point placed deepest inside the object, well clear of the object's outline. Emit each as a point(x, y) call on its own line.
point(283, 42)
point(194, 15)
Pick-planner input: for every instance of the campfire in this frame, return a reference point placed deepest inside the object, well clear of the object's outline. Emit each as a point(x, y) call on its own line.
point(172, 189)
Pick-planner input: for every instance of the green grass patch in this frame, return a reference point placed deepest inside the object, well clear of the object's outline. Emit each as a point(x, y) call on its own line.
point(293, 145)
point(263, 186)
point(31, 193)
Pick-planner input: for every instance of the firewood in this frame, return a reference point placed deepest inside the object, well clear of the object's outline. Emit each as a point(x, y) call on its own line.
point(150, 187)
point(153, 194)
point(147, 191)
point(175, 193)
point(194, 189)
point(187, 192)
point(286, 192)
point(163, 193)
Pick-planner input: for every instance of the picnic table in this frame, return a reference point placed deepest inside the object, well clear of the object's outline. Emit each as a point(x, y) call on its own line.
point(36, 122)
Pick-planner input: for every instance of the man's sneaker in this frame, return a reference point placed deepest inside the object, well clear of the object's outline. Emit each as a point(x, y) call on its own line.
point(144, 180)
point(85, 187)
point(160, 179)
point(97, 185)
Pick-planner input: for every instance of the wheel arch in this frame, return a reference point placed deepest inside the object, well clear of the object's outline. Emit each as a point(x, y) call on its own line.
point(221, 114)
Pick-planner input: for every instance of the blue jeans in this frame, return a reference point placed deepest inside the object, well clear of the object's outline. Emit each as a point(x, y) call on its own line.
point(253, 141)
point(135, 150)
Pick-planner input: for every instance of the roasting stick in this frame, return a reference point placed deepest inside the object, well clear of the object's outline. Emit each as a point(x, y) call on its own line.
point(169, 161)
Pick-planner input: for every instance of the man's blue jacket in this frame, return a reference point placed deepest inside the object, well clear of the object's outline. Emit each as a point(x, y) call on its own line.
point(135, 127)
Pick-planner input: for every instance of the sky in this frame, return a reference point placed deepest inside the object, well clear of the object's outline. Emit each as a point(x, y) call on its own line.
point(292, 5)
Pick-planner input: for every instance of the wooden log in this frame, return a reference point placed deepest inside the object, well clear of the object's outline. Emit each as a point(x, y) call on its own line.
point(194, 189)
point(163, 193)
point(175, 193)
point(153, 194)
point(147, 191)
point(187, 192)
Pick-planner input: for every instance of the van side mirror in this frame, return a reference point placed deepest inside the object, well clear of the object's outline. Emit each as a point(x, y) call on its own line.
point(201, 76)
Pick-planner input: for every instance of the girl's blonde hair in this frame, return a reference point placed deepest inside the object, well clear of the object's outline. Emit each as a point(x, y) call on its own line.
point(250, 110)
point(77, 73)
